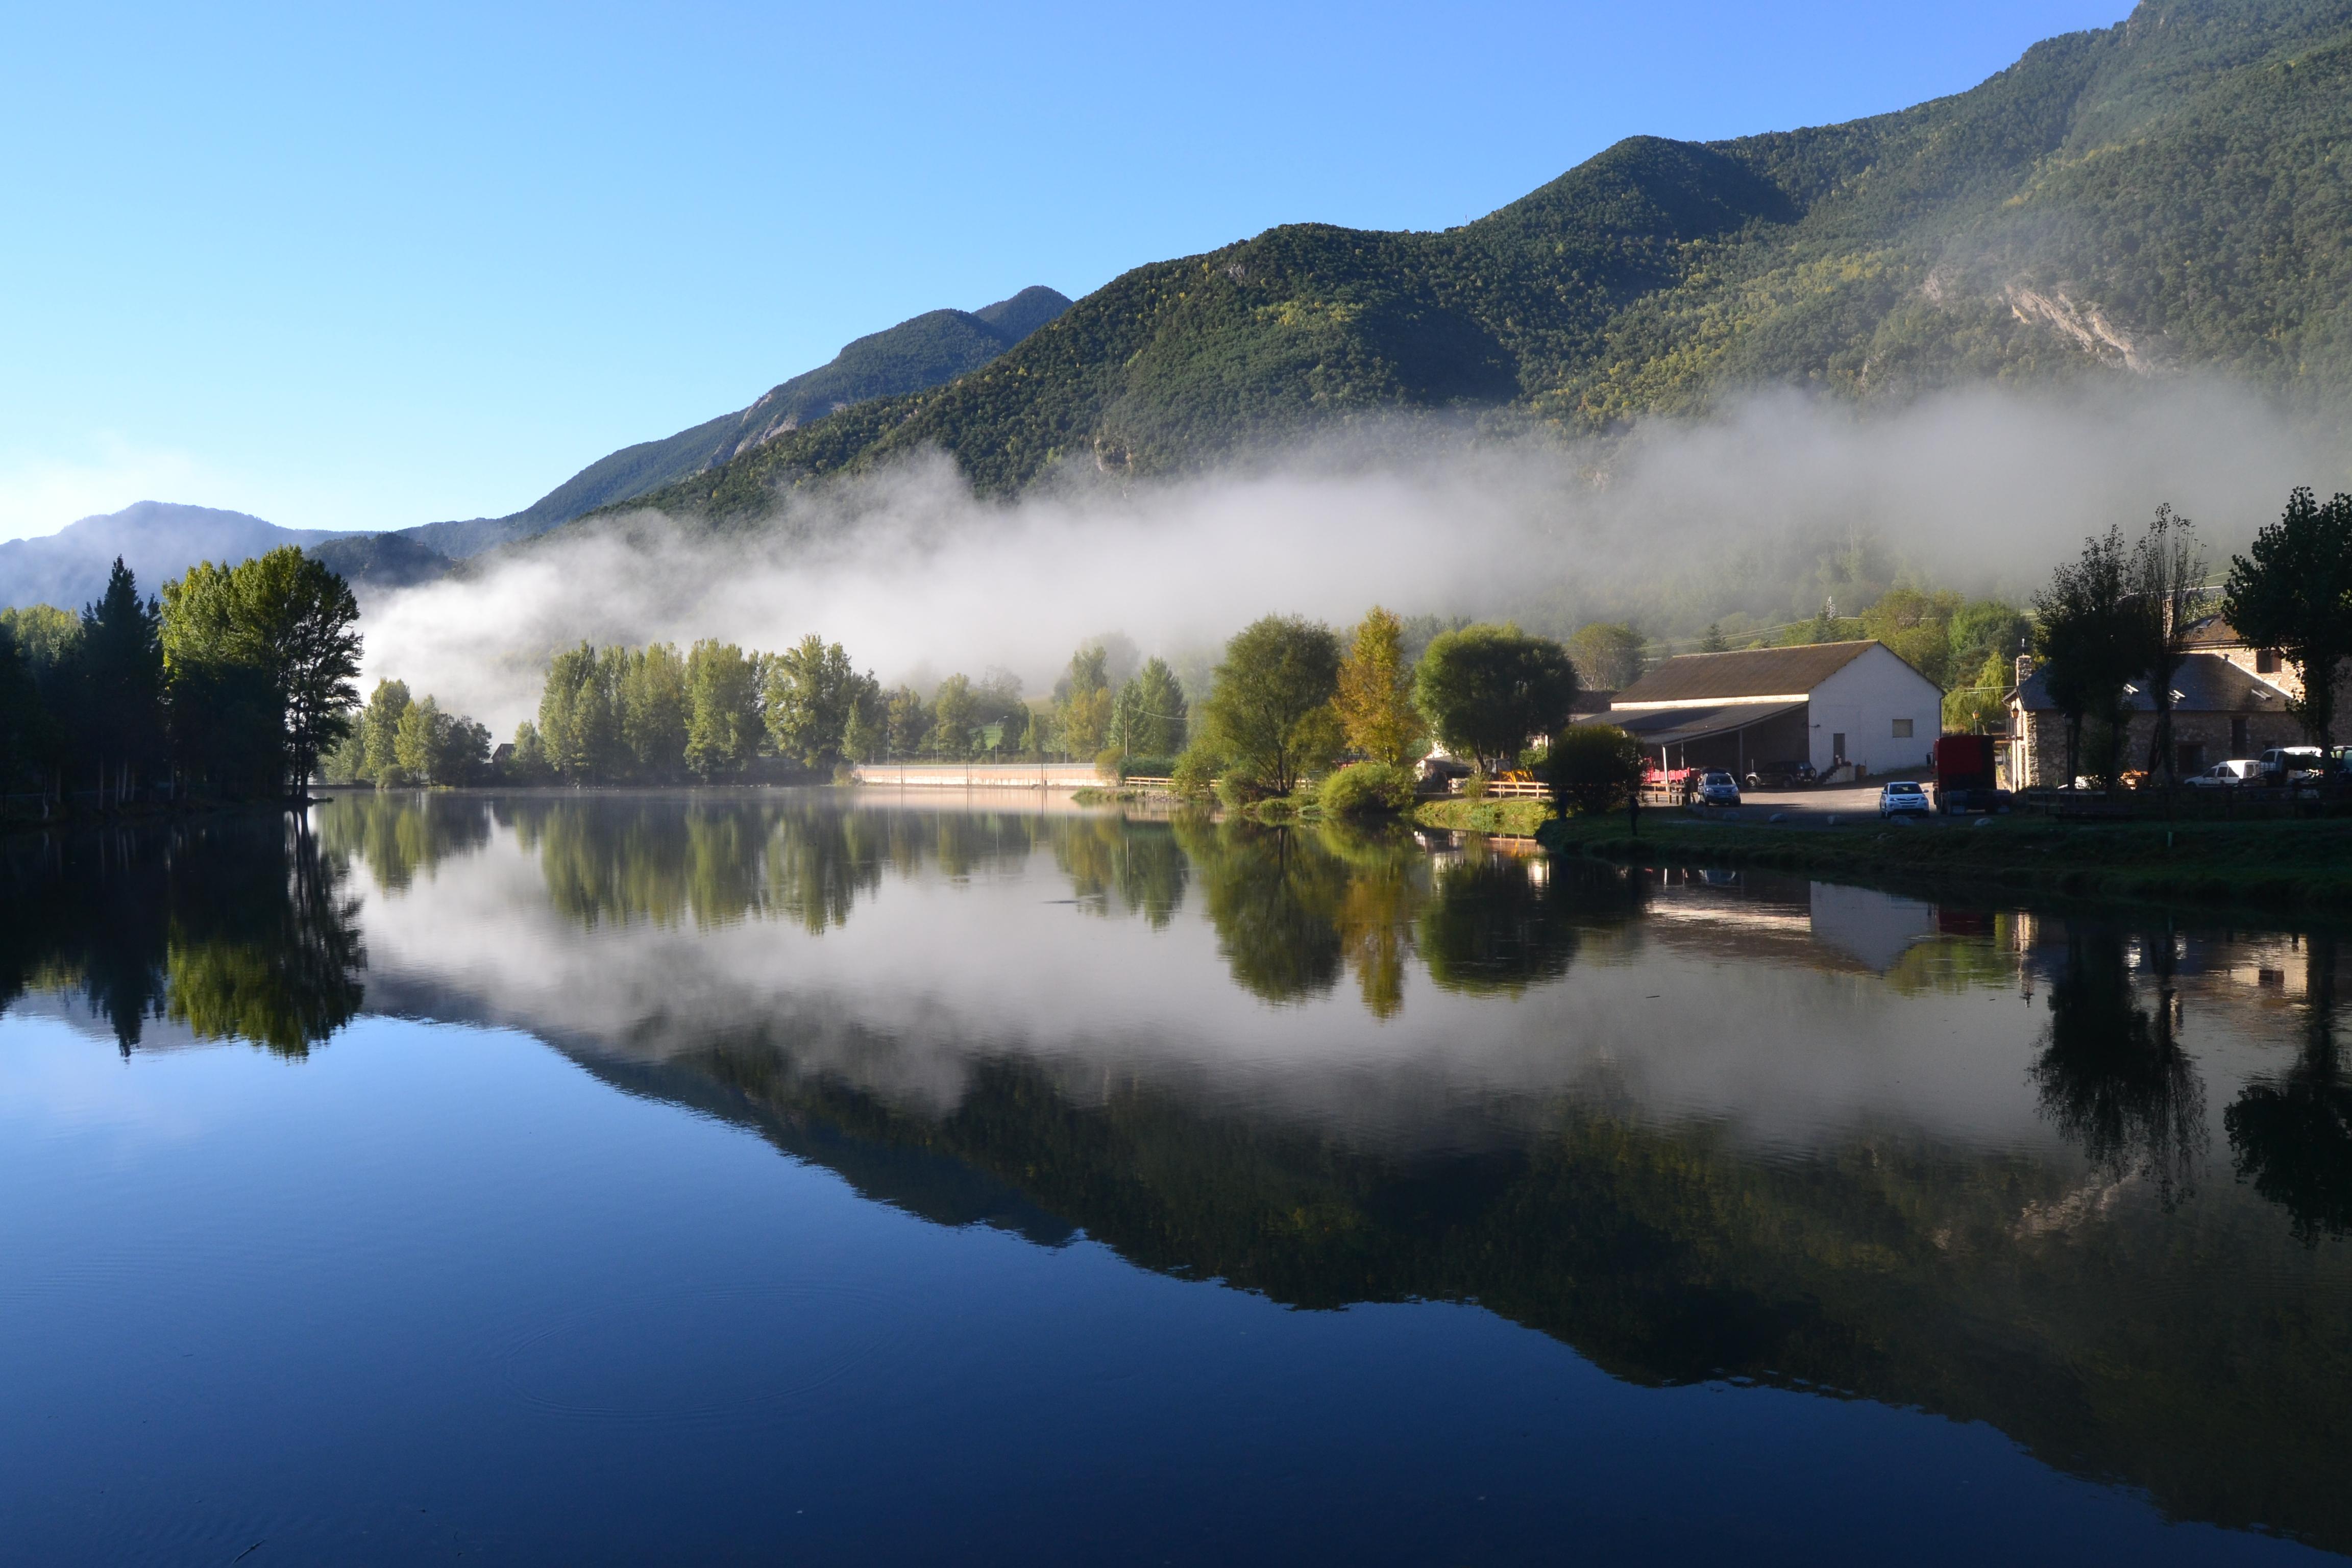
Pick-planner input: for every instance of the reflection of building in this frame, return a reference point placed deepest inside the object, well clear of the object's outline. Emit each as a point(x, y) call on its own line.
point(2221, 709)
point(1823, 703)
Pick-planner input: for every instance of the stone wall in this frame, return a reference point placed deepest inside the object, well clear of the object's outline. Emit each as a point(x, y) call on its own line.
point(2217, 737)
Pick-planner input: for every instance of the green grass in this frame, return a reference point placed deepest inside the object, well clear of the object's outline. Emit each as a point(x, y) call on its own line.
point(1518, 817)
point(2270, 865)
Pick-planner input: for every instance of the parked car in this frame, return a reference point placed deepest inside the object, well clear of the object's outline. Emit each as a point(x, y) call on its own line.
point(1780, 776)
point(2280, 764)
point(1718, 788)
point(1902, 797)
point(2227, 776)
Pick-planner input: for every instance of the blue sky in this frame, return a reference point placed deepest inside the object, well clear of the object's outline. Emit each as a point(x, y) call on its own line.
point(362, 268)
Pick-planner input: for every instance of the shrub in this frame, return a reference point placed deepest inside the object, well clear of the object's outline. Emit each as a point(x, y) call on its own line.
point(1194, 775)
point(1107, 765)
point(1475, 787)
point(1593, 766)
point(1367, 789)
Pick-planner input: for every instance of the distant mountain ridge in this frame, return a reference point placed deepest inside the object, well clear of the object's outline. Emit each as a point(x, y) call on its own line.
point(2170, 192)
point(158, 539)
point(922, 352)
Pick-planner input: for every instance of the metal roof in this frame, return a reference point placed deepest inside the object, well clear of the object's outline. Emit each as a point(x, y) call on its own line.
point(1673, 726)
point(1755, 672)
point(2205, 683)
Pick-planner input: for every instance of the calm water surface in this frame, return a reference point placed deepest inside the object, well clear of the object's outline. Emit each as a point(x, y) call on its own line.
point(771, 1178)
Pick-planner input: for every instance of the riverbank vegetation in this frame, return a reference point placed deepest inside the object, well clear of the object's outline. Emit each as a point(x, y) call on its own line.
point(229, 685)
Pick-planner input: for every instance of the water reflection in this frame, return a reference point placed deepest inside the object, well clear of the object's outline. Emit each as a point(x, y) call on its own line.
point(235, 929)
point(2114, 1076)
point(2293, 1136)
point(1693, 1125)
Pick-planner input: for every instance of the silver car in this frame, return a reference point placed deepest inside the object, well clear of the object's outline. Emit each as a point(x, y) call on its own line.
point(1717, 789)
point(1901, 797)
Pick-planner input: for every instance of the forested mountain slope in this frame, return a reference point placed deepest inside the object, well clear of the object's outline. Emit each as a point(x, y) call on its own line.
point(2166, 193)
point(922, 352)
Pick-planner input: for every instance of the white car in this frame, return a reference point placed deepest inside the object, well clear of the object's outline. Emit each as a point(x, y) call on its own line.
point(1901, 797)
point(2227, 776)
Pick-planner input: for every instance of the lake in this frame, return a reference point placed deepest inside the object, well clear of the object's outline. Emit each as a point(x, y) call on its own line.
point(826, 1178)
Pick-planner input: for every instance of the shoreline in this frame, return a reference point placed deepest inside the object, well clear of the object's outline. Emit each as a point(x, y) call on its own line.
point(2267, 866)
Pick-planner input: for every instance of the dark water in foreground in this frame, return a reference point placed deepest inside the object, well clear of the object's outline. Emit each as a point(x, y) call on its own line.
point(630, 1179)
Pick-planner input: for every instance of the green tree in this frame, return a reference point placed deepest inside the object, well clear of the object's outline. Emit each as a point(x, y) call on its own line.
point(867, 734)
point(954, 716)
point(2088, 648)
point(723, 718)
point(1149, 717)
point(1489, 690)
point(379, 731)
point(653, 710)
point(910, 723)
point(120, 660)
point(811, 689)
point(1375, 696)
point(2292, 592)
point(1269, 713)
point(578, 728)
point(1915, 626)
point(417, 741)
point(1593, 767)
point(274, 636)
point(1082, 702)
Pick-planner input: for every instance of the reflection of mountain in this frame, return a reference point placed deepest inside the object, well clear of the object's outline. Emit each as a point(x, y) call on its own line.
point(235, 928)
point(1043, 1021)
point(1890, 1270)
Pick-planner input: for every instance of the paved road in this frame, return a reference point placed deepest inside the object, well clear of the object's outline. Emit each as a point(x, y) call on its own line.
point(1809, 808)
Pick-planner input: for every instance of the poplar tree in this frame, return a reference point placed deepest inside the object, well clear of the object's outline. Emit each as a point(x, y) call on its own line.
point(1375, 695)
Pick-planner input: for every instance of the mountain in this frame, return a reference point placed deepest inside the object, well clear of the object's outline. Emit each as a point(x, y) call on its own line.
point(921, 352)
point(158, 541)
point(2172, 192)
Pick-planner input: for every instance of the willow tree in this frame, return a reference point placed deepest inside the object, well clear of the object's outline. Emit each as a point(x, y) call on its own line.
point(1269, 715)
point(1489, 690)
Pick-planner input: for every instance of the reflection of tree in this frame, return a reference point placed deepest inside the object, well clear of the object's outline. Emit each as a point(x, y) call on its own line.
point(2111, 1074)
point(2293, 1138)
point(238, 929)
point(1497, 923)
point(398, 833)
point(1273, 896)
point(1138, 864)
point(1387, 883)
point(269, 955)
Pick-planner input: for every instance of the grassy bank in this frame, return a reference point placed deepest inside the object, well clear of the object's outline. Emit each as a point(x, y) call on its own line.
point(2268, 864)
point(1521, 818)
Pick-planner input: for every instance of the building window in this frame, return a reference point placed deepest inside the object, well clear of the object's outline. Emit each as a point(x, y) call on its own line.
point(2192, 759)
point(1902, 729)
point(2266, 661)
point(2237, 735)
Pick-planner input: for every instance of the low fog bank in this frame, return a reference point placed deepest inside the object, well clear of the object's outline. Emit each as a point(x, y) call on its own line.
point(1759, 512)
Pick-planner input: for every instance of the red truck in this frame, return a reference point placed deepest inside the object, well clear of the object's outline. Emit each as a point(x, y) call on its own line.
point(1964, 774)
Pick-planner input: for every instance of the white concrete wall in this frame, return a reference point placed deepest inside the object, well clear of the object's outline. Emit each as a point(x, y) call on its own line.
point(978, 775)
point(1862, 701)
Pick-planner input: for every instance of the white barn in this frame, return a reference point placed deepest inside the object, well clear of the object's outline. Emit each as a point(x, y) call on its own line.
point(1823, 703)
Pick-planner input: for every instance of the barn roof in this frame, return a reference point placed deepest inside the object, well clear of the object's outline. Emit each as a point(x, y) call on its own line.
point(1749, 673)
point(1678, 726)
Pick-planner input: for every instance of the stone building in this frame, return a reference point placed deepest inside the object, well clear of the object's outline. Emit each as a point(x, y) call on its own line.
point(2221, 709)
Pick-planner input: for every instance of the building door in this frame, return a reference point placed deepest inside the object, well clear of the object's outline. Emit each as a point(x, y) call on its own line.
point(2237, 735)
point(1837, 747)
